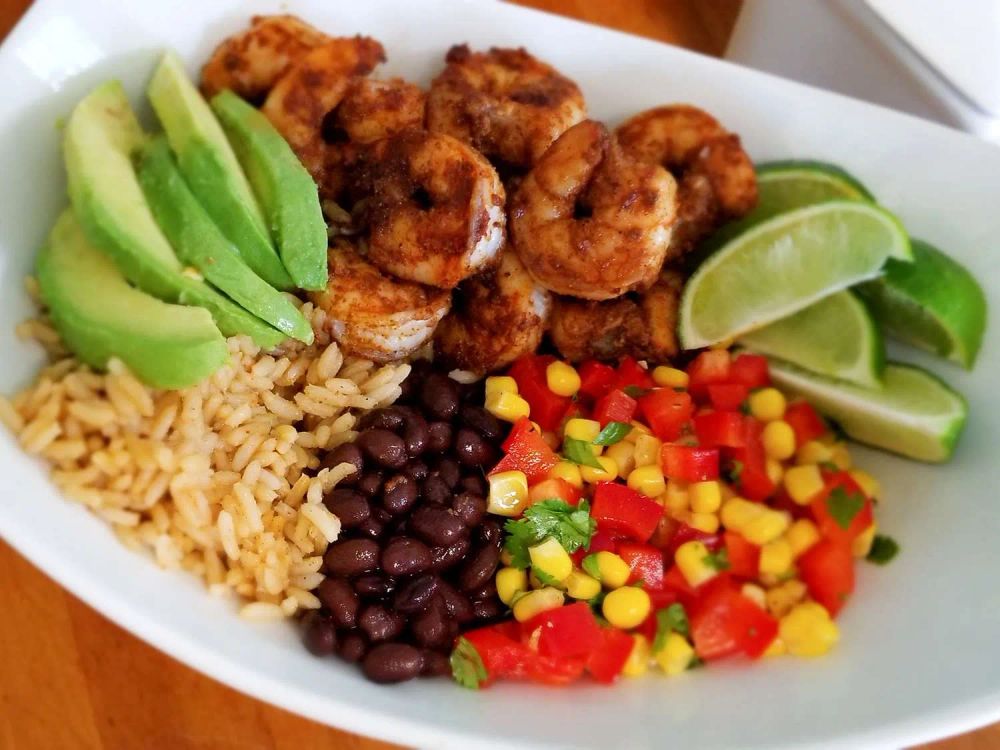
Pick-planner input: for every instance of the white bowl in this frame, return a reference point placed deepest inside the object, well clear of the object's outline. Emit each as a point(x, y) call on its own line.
point(920, 652)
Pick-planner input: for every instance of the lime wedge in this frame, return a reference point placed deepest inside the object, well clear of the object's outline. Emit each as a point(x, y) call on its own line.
point(785, 264)
point(932, 303)
point(836, 337)
point(914, 414)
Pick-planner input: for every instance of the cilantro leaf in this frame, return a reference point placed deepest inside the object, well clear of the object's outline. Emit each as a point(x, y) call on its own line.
point(578, 451)
point(613, 432)
point(733, 472)
point(668, 620)
point(828, 466)
point(635, 391)
point(467, 665)
point(843, 507)
point(884, 549)
point(569, 525)
point(718, 560)
point(590, 566)
point(544, 577)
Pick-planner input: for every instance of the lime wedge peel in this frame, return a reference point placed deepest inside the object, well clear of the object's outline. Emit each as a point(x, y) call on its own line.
point(915, 414)
point(785, 264)
point(818, 177)
point(836, 337)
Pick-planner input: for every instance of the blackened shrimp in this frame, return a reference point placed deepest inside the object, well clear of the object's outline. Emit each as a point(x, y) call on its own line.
point(716, 178)
point(374, 315)
point(642, 326)
point(505, 103)
point(590, 222)
point(496, 317)
point(437, 208)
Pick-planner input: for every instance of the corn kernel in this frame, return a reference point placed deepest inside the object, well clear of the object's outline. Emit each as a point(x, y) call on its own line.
point(813, 452)
point(582, 429)
point(808, 630)
point(766, 527)
point(508, 493)
point(614, 571)
point(754, 593)
point(775, 557)
point(550, 558)
point(648, 480)
point(707, 523)
point(706, 497)
point(868, 484)
point(647, 450)
point(775, 470)
point(579, 585)
point(803, 483)
point(670, 377)
point(802, 535)
point(638, 659)
point(777, 648)
point(607, 472)
point(500, 384)
point(568, 472)
point(767, 404)
point(676, 498)
point(510, 581)
point(840, 456)
point(779, 440)
point(738, 512)
point(676, 655)
point(507, 406)
point(691, 558)
point(626, 607)
point(781, 598)
point(506, 558)
point(535, 602)
point(623, 455)
point(862, 543)
point(562, 379)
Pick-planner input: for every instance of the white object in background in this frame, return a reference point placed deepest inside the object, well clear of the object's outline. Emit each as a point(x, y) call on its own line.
point(940, 61)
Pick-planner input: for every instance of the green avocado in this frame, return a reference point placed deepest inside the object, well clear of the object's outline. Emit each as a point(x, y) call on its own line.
point(283, 186)
point(99, 315)
point(199, 242)
point(211, 170)
point(100, 136)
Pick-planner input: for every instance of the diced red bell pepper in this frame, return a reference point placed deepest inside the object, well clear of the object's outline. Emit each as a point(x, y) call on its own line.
point(827, 523)
point(547, 409)
point(720, 429)
point(615, 406)
point(619, 508)
point(566, 632)
point(689, 463)
point(727, 396)
point(596, 378)
point(632, 373)
point(675, 581)
point(606, 662)
point(554, 488)
point(743, 556)
point(805, 422)
point(724, 622)
point(751, 370)
point(666, 411)
point(505, 656)
point(751, 480)
point(709, 367)
point(686, 533)
point(603, 540)
point(827, 569)
point(646, 563)
point(526, 451)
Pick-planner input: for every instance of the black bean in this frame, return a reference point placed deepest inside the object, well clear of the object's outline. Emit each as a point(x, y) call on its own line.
point(350, 506)
point(437, 526)
point(352, 646)
point(351, 557)
point(488, 609)
point(415, 433)
point(405, 556)
point(487, 591)
point(391, 418)
point(482, 422)
point(374, 586)
point(435, 490)
point(491, 532)
point(442, 558)
point(383, 447)
point(470, 508)
point(473, 483)
point(416, 594)
point(346, 453)
point(380, 623)
point(440, 396)
point(373, 528)
point(319, 635)
point(338, 596)
point(436, 664)
point(433, 628)
point(416, 470)
point(456, 605)
point(370, 483)
point(398, 493)
point(439, 437)
point(479, 567)
point(411, 385)
point(449, 470)
point(472, 449)
point(392, 662)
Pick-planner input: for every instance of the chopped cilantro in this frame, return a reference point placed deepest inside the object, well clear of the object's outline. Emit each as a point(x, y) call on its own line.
point(829, 466)
point(544, 577)
point(733, 472)
point(843, 507)
point(718, 560)
point(884, 549)
point(635, 391)
point(569, 525)
point(467, 666)
point(670, 619)
point(591, 567)
point(578, 451)
point(696, 662)
point(613, 433)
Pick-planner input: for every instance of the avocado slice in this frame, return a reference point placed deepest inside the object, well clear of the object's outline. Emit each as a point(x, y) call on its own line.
point(283, 186)
point(99, 315)
point(211, 170)
point(200, 243)
point(100, 136)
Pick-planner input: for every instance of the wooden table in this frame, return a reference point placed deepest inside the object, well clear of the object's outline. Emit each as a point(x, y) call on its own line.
point(69, 678)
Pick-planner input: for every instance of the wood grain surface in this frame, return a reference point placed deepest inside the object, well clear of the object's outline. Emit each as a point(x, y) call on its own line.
point(71, 679)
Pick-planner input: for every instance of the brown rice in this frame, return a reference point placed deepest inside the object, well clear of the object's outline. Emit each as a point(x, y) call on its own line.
point(211, 479)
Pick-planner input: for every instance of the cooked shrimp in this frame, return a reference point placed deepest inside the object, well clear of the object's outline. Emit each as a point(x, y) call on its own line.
point(505, 103)
point(643, 326)
point(303, 97)
point(716, 178)
point(436, 211)
point(496, 317)
point(374, 315)
point(590, 222)
point(375, 109)
point(251, 62)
